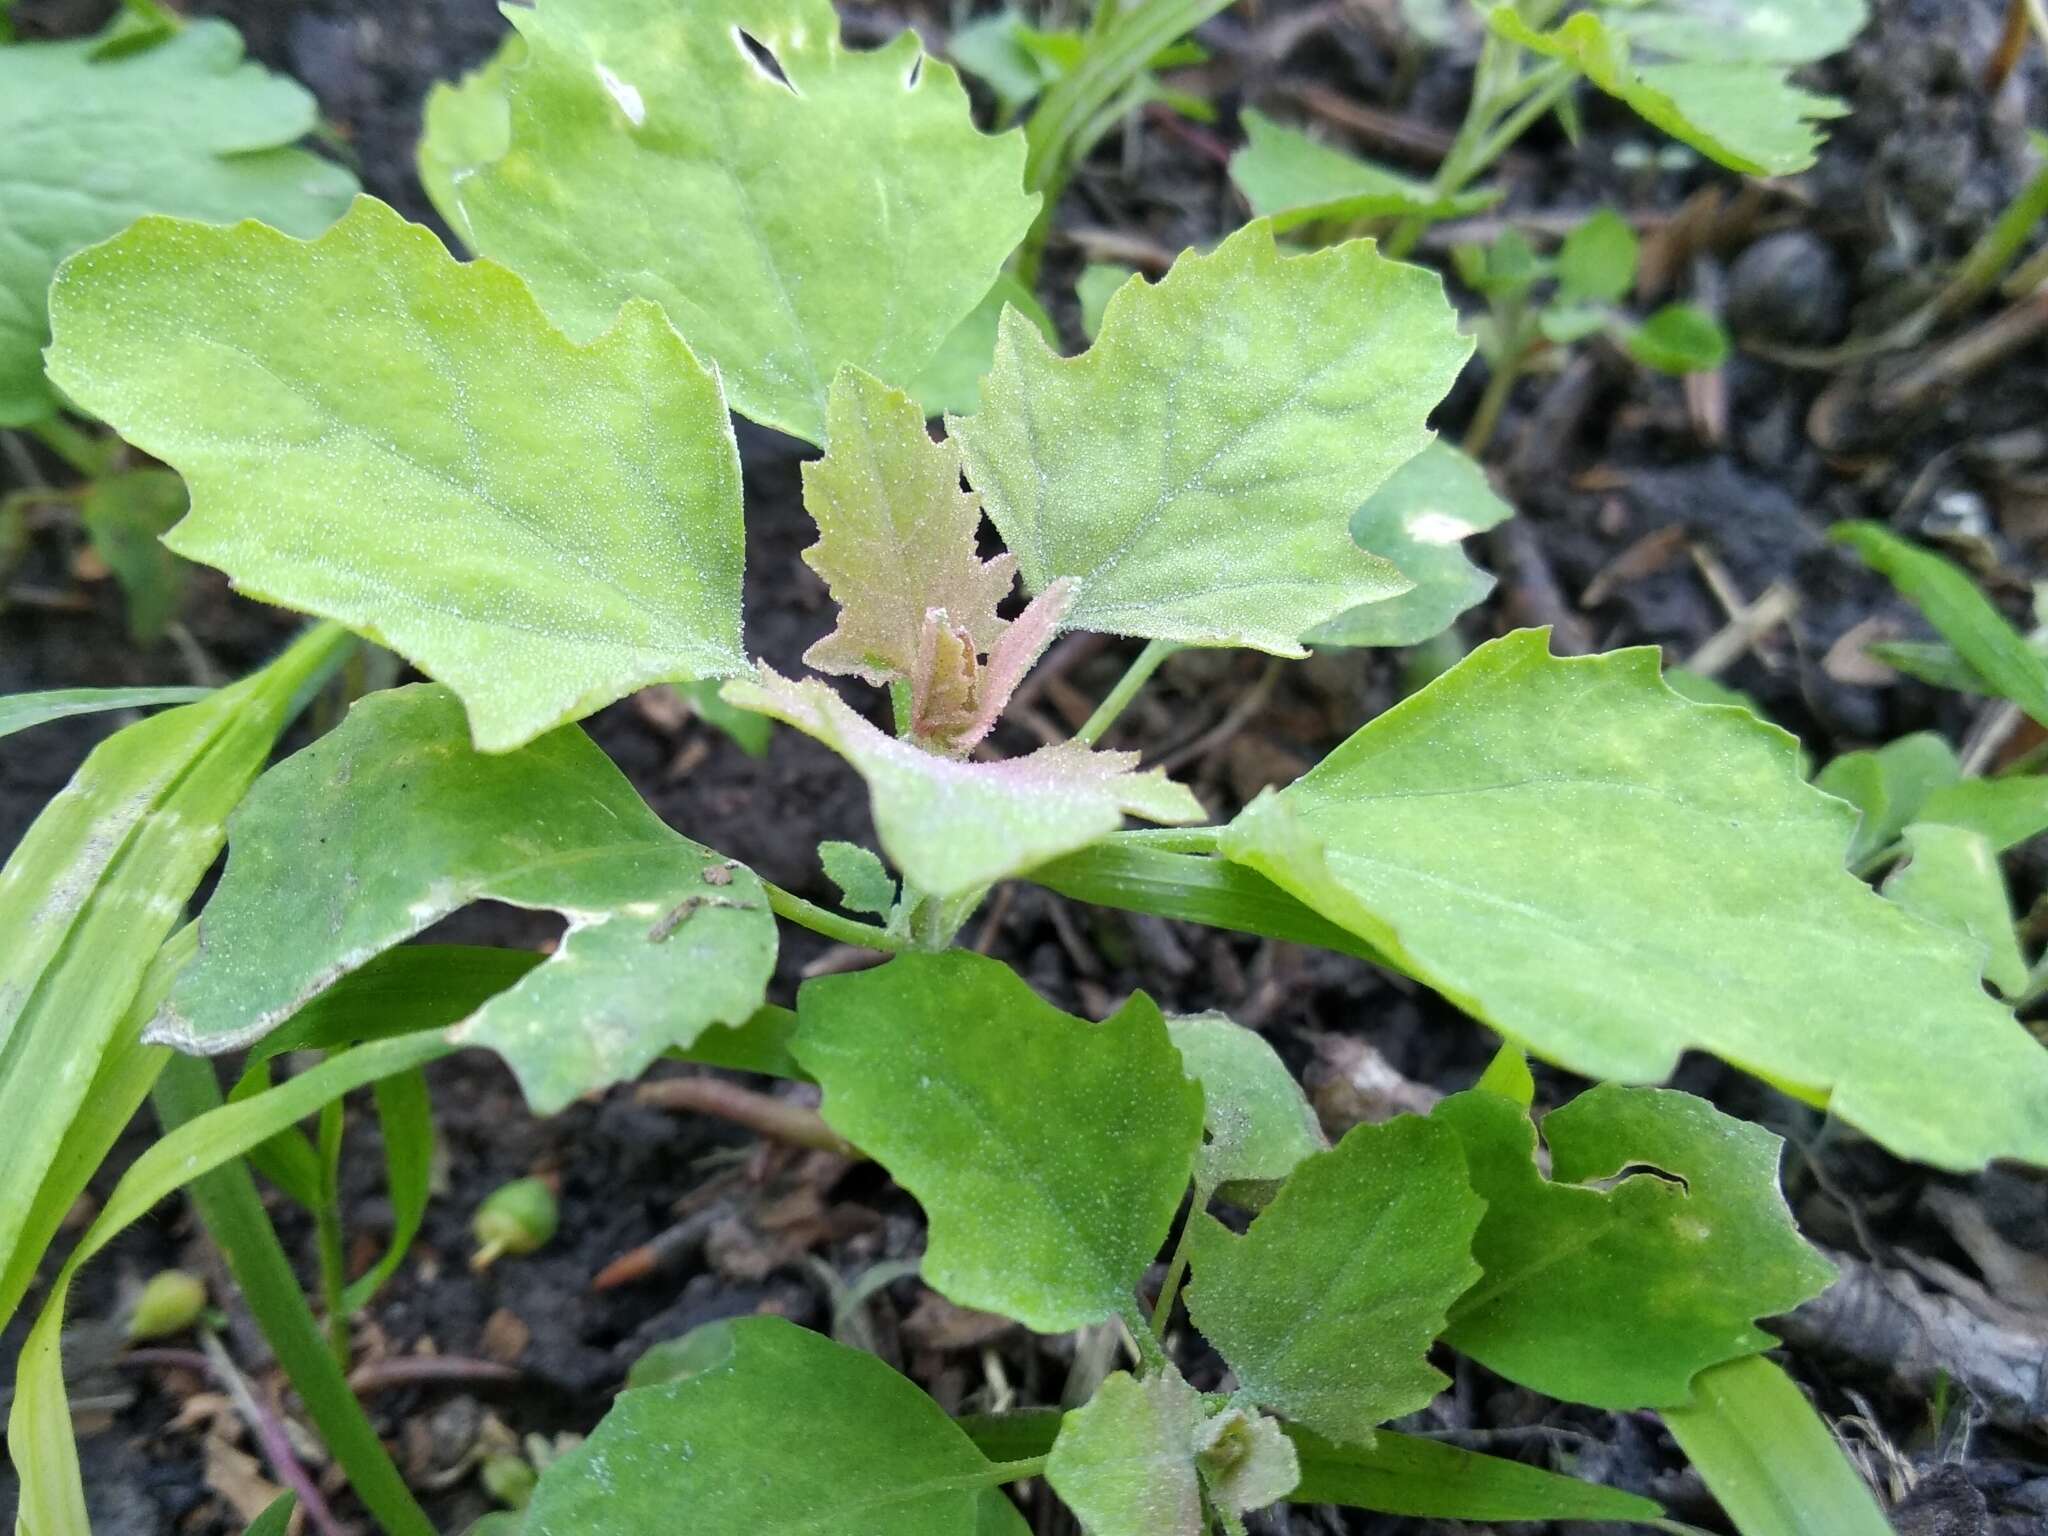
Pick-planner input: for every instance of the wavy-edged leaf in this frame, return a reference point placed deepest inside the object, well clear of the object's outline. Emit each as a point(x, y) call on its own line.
point(1951, 878)
point(19, 711)
point(1326, 1307)
point(1292, 179)
point(1991, 647)
point(392, 821)
point(377, 433)
point(714, 1452)
point(950, 826)
point(1732, 99)
point(1420, 520)
point(1195, 470)
point(1888, 785)
point(95, 887)
point(1257, 1122)
point(793, 204)
point(92, 138)
point(1044, 1205)
point(1612, 875)
point(1690, 1254)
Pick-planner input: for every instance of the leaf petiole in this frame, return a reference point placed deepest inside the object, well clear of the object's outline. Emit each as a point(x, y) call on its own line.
point(791, 907)
point(1135, 677)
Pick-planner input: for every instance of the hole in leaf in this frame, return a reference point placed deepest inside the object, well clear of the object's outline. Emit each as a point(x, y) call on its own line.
point(1633, 1170)
point(762, 57)
point(916, 73)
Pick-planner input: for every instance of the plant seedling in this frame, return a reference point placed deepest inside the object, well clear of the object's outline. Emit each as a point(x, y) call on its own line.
point(516, 1218)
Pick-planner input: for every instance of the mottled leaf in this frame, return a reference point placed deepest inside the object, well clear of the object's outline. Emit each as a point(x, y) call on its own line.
point(1647, 1255)
point(1419, 520)
point(1612, 875)
point(1326, 1307)
point(1292, 179)
point(374, 432)
point(1194, 471)
point(1258, 1124)
point(715, 1452)
point(795, 205)
point(1049, 1153)
point(92, 138)
point(953, 826)
point(1888, 785)
point(392, 821)
point(1951, 878)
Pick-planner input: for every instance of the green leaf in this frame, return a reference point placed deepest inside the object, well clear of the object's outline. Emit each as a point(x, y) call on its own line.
point(405, 1124)
point(704, 1348)
point(1094, 288)
point(1326, 1307)
point(1597, 262)
point(1193, 471)
point(1411, 1475)
point(1044, 1207)
point(1993, 648)
point(377, 433)
point(92, 138)
point(1733, 100)
point(392, 821)
point(1257, 1123)
point(1419, 520)
point(1654, 879)
point(993, 50)
point(92, 891)
point(465, 123)
point(953, 827)
point(126, 517)
point(1293, 179)
point(864, 882)
point(1888, 786)
point(19, 711)
point(276, 1519)
point(1952, 879)
point(951, 381)
point(1679, 339)
point(835, 208)
point(1701, 689)
point(749, 732)
point(714, 1452)
point(1134, 1460)
point(1690, 1254)
point(1776, 1467)
point(2005, 811)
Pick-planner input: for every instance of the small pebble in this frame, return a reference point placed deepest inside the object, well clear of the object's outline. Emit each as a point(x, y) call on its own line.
point(1788, 289)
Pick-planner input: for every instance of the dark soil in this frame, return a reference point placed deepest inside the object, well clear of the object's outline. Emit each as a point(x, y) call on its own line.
point(1619, 475)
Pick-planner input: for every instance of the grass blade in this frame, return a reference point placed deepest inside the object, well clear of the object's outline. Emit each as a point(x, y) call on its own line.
point(19, 711)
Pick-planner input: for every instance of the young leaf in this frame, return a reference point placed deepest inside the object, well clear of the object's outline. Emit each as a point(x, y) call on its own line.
point(1135, 1459)
point(1690, 1255)
point(2005, 811)
point(1725, 90)
point(1093, 290)
point(19, 711)
point(92, 137)
point(1044, 1206)
point(713, 1451)
point(1327, 1306)
point(126, 517)
point(1597, 262)
point(1193, 471)
point(392, 821)
point(1655, 879)
point(951, 381)
point(896, 536)
point(1419, 520)
point(1888, 786)
point(375, 432)
point(863, 881)
point(1952, 879)
point(1292, 179)
point(1679, 339)
point(1979, 632)
point(795, 205)
point(1258, 1125)
point(950, 826)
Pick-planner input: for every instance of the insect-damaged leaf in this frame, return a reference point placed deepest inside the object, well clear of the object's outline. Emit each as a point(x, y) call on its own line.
point(1195, 471)
point(1715, 76)
point(1691, 1260)
point(1326, 1307)
point(714, 1452)
point(795, 205)
point(1049, 1153)
point(1134, 1460)
point(377, 433)
point(951, 826)
point(1293, 179)
point(392, 821)
point(1612, 875)
point(93, 137)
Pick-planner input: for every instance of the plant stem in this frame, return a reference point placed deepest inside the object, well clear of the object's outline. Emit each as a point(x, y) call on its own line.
point(844, 930)
point(328, 1234)
point(1177, 1266)
point(1017, 1471)
point(81, 450)
point(1135, 677)
point(1151, 1353)
point(1499, 388)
